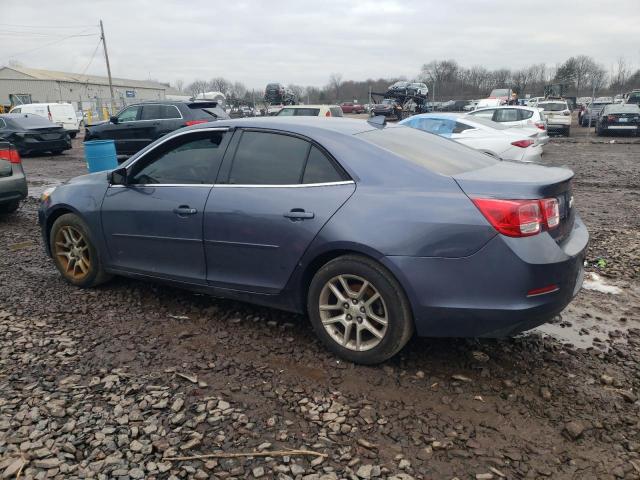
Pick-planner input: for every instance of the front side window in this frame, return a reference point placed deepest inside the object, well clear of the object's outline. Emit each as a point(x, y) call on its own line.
point(186, 159)
point(264, 158)
point(129, 114)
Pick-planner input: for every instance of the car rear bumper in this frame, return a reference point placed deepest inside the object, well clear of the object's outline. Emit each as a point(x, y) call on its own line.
point(25, 148)
point(485, 294)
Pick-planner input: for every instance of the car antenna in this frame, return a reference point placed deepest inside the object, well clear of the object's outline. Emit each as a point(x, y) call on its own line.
point(379, 121)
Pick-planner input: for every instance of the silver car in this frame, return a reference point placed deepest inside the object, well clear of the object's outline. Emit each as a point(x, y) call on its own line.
point(13, 183)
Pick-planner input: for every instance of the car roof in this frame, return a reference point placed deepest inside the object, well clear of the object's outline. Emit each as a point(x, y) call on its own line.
point(312, 106)
point(300, 125)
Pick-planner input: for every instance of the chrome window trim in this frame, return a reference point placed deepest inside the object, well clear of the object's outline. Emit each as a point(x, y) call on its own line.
point(292, 185)
point(228, 185)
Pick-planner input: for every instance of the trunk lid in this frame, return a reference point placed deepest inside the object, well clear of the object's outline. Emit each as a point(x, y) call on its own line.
point(514, 181)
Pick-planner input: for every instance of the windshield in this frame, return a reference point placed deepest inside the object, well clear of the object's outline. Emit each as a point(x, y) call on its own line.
point(429, 151)
point(299, 112)
point(499, 92)
point(553, 106)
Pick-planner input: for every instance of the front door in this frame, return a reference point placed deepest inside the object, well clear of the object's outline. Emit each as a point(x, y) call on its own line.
point(153, 224)
point(127, 133)
point(277, 194)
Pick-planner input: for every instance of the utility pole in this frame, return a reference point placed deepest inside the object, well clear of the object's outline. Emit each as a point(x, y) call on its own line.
point(106, 57)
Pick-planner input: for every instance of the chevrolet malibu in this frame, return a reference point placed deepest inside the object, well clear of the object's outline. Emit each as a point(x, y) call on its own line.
point(375, 231)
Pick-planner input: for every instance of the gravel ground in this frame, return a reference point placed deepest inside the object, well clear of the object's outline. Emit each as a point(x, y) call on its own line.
point(118, 381)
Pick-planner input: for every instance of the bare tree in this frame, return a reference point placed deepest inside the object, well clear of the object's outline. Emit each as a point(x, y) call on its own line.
point(179, 85)
point(335, 82)
point(197, 87)
point(621, 75)
point(220, 84)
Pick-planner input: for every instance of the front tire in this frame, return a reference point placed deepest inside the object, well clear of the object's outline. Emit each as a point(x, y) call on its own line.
point(74, 252)
point(359, 310)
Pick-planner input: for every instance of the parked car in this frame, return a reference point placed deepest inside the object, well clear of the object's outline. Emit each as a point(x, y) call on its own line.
point(418, 88)
point(399, 87)
point(13, 183)
point(276, 93)
point(388, 107)
point(633, 97)
point(486, 136)
point(62, 114)
point(31, 133)
point(619, 118)
point(592, 112)
point(558, 115)
point(136, 126)
point(284, 219)
point(533, 101)
point(310, 111)
point(454, 106)
point(470, 106)
point(488, 102)
point(350, 107)
point(516, 117)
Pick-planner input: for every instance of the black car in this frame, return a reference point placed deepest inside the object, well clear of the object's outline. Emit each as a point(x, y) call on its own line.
point(278, 94)
point(13, 184)
point(33, 134)
point(623, 118)
point(137, 125)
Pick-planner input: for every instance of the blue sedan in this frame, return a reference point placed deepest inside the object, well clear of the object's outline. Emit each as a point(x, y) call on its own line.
point(375, 231)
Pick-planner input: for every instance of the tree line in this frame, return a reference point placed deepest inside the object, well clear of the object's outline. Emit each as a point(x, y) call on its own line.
point(447, 80)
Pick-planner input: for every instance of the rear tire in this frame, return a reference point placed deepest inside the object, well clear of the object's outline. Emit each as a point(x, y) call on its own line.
point(567, 131)
point(9, 207)
point(73, 134)
point(74, 252)
point(365, 316)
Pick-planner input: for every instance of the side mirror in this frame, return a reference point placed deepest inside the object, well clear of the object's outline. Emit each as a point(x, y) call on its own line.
point(113, 120)
point(118, 176)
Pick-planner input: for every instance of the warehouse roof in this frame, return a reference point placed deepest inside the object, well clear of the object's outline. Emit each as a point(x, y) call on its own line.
point(38, 74)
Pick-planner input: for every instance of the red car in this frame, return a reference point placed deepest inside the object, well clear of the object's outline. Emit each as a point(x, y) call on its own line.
point(349, 107)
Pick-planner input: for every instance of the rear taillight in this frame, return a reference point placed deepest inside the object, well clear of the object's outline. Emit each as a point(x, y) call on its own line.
point(522, 143)
point(611, 118)
point(540, 125)
point(519, 218)
point(328, 114)
point(188, 123)
point(10, 154)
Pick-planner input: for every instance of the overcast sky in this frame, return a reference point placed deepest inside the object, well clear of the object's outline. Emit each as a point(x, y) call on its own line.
point(303, 41)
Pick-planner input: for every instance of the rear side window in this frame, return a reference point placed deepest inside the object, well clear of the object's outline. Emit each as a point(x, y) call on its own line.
point(151, 112)
point(129, 114)
point(187, 159)
point(461, 127)
point(507, 115)
point(525, 114)
point(299, 112)
point(436, 154)
point(264, 158)
point(16, 110)
point(319, 169)
point(336, 111)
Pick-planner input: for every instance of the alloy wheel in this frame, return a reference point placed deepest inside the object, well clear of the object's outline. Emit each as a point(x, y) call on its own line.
point(72, 251)
point(353, 312)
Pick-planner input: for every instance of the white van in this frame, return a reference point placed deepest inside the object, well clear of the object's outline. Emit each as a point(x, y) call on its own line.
point(61, 113)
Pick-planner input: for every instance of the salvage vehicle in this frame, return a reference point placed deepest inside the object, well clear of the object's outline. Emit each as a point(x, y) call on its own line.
point(137, 125)
point(310, 111)
point(350, 107)
point(493, 138)
point(619, 118)
point(374, 230)
point(418, 88)
point(276, 93)
point(62, 114)
point(592, 111)
point(514, 116)
point(558, 115)
point(388, 107)
point(33, 134)
point(13, 183)
point(503, 95)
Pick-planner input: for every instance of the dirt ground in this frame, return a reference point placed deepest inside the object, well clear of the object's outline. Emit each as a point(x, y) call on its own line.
point(118, 381)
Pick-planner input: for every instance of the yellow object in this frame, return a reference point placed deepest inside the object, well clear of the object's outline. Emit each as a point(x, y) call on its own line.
point(105, 113)
point(90, 116)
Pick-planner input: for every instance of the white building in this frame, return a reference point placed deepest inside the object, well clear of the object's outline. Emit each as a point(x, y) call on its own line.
point(85, 92)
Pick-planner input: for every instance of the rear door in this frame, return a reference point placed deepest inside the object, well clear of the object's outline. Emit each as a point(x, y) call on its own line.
point(64, 115)
point(274, 194)
point(156, 120)
point(153, 224)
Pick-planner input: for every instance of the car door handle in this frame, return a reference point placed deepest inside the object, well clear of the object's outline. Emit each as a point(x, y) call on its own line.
point(184, 210)
point(299, 214)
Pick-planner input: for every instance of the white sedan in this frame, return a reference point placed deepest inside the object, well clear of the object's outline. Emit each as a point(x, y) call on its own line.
point(514, 116)
point(492, 138)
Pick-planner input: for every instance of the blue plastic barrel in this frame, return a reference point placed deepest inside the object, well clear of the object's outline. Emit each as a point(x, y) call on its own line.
point(100, 155)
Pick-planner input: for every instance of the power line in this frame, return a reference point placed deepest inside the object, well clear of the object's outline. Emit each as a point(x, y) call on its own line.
point(46, 26)
point(92, 57)
point(48, 44)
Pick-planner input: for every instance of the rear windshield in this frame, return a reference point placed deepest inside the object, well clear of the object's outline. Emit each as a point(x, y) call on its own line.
point(436, 154)
point(203, 105)
point(31, 121)
point(553, 106)
point(299, 112)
